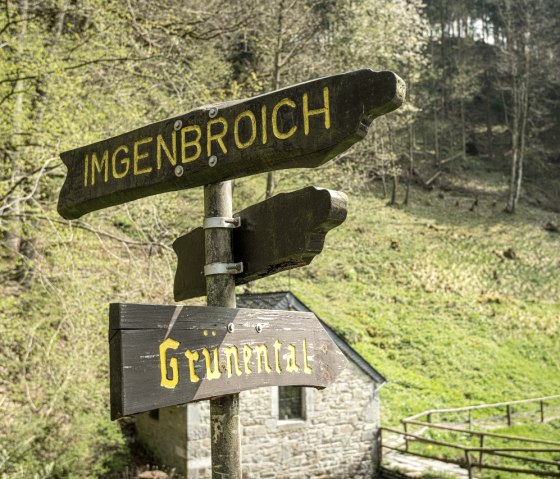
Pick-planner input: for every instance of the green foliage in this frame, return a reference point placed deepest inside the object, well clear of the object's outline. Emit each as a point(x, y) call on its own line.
point(425, 293)
point(427, 296)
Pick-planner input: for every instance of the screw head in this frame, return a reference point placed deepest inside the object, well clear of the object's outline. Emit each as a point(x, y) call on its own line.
point(179, 170)
point(258, 328)
point(213, 160)
point(230, 328)
point(177, 125)
point(212, 112)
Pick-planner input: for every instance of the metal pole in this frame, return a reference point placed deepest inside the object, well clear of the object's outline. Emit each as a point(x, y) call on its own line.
point(224, 411)
point(468, 463)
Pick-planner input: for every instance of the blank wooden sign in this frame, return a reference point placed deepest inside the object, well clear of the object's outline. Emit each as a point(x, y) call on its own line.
point(165, 355)
point(284, 232)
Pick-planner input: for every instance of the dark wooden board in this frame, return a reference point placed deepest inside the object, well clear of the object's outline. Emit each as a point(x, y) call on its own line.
point(284, 232)
point(136, 333)
point(287, 128)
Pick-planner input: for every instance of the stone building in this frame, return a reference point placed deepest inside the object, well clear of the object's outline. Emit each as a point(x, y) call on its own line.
point(288, 432)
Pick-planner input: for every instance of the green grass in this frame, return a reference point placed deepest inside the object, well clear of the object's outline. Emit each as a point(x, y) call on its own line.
point(547, 431)
point(423, 292)
point(426, 295)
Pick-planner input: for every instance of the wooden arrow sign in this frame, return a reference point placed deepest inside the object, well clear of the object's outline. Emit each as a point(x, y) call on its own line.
point(300, 126)
point(284, 232)
point(168, 355)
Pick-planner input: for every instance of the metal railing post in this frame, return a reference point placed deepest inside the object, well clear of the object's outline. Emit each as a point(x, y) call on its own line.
point(468, 463)
point(405, 426)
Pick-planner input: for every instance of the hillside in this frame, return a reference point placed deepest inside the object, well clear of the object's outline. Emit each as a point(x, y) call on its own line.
point(453, 306)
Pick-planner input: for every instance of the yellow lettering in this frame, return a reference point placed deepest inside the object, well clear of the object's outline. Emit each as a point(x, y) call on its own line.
point(187, 144)
point(209, 373)
point(123, 161)
point(291, 364)
point(95, 165)
point(262, 358)
point(247, 353)
point(277, 345)
point(277, 133)
point(86, 162)
point(192, 356)
point(232, 355)
point(306, 368)
point(325, 110)
point(245, 114)
point(163, 347)
point(143, 156)
point(216, 136)
point(263, 117)
point(161, 145)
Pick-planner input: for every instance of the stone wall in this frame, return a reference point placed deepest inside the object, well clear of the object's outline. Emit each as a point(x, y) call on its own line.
point(336, 439)
point(165, 437)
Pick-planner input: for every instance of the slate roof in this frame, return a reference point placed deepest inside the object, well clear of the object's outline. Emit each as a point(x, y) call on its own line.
point(287, 301)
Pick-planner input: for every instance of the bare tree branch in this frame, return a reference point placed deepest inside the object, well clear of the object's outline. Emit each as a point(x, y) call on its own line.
point(87, 227)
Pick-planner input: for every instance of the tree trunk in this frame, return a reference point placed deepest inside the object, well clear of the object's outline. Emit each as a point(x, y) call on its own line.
point(513, 181)
point(524, 100)
point(39, 103)
point(411, 164)
point(436, 120)
point(384, 183)
point(489, 135)
point(12, 235)
point(394, 190)
point(463, 128)
point(519, 56)
point(270, 177)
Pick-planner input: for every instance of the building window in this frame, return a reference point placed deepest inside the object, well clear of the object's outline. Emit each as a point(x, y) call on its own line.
point(290, 402)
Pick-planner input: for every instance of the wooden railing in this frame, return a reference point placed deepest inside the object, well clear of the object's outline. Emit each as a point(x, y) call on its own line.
point(520, 451)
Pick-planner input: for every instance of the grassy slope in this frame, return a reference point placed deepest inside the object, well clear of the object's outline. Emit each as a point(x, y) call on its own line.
point(426, 295)
point(423, 293)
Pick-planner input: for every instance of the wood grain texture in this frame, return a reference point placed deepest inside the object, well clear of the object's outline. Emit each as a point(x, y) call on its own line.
point(284, 232)
point(277, 130)
point(137, 331)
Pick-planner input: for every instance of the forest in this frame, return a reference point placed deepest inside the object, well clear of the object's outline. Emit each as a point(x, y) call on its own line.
point(475, 148)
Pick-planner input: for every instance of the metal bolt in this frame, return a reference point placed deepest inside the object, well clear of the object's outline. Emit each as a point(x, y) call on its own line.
point(231, 328)
point(179, 170)
point(258, 328)
point(212, 112)
point(213, 160)
point(177, 125)
point(235, 267)
point(236, 221)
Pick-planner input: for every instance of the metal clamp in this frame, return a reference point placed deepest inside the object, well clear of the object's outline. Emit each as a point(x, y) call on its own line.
point(223, 268)
point(221, 222)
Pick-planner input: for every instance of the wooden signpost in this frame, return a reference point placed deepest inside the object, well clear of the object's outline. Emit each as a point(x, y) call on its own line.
point(300, 126)
point(284, 232)
point(167, 355)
